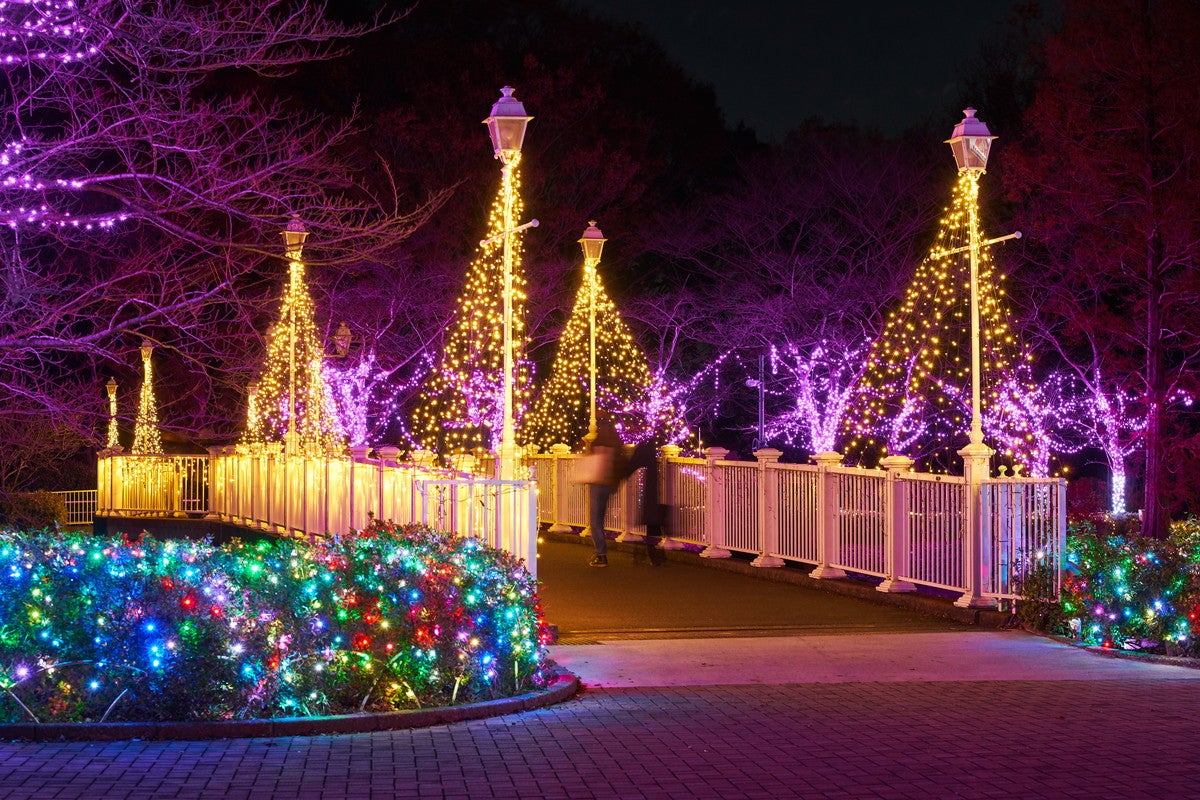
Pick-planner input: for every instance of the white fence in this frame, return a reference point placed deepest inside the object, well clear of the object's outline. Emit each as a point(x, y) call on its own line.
point(81, 505)
point(909, 529)
point(312, 496)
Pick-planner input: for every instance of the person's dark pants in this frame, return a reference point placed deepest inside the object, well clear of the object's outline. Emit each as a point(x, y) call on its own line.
point(598, 495)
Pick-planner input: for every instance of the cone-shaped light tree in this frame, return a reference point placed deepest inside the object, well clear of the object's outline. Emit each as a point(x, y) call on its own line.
point(916, 394)
point(290, 403)
point(478, 390)
point(147, 438)
point(597, 366)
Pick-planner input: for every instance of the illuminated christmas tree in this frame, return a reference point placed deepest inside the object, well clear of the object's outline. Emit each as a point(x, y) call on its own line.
point(914, 398)
point(147, 438)
point(291, 404)
point(461, 405)
point(561, 411)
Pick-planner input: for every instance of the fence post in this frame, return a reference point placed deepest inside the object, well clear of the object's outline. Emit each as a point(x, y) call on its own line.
point(828, 516)
point(629, 502)
point(557, 451)
point(669, 496)
point(976, 472)
point(388, 455)
point(895, 525)
point(714, 505)
point(358, 453)
point(768, 508)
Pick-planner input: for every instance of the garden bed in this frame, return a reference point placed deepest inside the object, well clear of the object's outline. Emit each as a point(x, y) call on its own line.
point(275, 635)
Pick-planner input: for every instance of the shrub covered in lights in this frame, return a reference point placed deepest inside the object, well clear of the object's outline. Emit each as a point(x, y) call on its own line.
point(1132, 592)
point(390, 618)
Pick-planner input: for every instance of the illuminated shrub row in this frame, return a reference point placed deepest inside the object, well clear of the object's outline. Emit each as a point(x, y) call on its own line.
point(1132, 592)
point(95, 628)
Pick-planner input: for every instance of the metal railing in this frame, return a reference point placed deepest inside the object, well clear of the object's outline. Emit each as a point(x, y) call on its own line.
point(81, 505)
point(910, 529)
point(312, 496)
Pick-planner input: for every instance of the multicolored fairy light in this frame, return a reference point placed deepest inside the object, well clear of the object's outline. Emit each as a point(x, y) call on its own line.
point(292, 404)
point(147, 438)
point(461, 406)
point(394, 617)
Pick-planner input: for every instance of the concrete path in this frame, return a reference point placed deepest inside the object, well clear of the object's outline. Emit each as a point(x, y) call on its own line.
point(877, 658)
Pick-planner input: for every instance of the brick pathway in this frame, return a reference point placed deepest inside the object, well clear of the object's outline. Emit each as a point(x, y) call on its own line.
point(1000, 739)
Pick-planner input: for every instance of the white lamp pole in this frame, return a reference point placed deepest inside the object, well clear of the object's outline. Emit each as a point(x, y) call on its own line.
point(293, 236)
point(592, 243)
point(971, 142)
point(506, 127)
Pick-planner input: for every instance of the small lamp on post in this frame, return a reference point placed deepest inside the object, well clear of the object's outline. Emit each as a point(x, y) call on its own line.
point(506, 127)
point(341, 340)
point(592, 243)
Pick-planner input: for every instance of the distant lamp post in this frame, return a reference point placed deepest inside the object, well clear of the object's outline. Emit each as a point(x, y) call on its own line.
point(592, 243)
point(341, 341)
point(971, 142)
point(294, 236)
point(111, 387)
point(506, 127)
point(760, 383)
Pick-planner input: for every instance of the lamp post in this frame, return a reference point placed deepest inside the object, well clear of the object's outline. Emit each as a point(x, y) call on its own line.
point(111, 387)
point(971, 143)
point(506, 127)
point(592, 243)
point(293, 237)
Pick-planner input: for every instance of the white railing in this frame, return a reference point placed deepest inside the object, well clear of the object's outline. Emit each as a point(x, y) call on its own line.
point(312, 496)
point(81, 505)
point(908, 528)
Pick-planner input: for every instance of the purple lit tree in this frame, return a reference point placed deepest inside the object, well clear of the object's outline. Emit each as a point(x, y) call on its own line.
point(143, 180)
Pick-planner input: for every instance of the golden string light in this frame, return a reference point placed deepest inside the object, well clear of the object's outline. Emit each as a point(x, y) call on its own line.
point(461, 403)
point(560, 413)
point(915, 396)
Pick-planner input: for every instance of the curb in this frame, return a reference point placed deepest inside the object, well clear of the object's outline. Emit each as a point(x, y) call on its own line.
point(1127, 655)
point(563, 685)
point(859, 588)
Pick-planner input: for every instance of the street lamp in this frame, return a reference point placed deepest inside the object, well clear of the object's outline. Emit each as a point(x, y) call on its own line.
point(971, 142)
point(506, 127)
point(592, 243)
point(293, 238)
point(342, 339)
point(111, 387)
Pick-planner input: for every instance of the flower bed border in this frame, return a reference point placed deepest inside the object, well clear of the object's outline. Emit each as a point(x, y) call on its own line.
point(562, 686)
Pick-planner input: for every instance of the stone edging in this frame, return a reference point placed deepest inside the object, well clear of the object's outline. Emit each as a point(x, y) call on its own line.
point(562, 686)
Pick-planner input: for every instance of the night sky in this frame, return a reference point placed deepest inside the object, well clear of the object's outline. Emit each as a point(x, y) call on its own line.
point(888, 65)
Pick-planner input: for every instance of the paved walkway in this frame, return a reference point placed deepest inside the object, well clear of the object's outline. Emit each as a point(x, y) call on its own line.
point(949, 713)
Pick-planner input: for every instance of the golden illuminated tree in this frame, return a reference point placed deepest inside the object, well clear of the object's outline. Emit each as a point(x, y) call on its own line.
point(561, 412)
point(292, 404)
point(461, 405)
point(147, 438)
point(914, 398)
